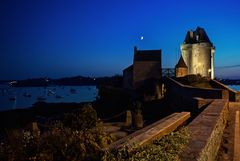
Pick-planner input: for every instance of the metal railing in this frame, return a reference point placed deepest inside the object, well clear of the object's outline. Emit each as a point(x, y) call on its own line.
point(170, 72)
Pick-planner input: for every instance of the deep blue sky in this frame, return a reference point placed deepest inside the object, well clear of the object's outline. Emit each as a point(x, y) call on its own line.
point(96, 37)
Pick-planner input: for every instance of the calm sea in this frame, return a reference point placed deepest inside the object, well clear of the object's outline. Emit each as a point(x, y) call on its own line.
point(235, 87)
point(23, 97)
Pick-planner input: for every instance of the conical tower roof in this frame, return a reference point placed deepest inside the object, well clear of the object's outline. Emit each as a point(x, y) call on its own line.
point(181, 63)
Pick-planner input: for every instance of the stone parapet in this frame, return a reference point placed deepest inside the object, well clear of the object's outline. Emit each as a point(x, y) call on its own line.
point(206, 131)
point(184, 94)
point(236, 156)
point(233, 95)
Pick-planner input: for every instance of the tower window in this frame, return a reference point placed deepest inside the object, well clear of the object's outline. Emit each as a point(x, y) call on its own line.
point(197, 37)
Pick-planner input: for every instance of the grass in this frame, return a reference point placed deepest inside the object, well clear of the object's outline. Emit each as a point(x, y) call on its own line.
point(167, 148)
point(195, 81)
point(202, 84)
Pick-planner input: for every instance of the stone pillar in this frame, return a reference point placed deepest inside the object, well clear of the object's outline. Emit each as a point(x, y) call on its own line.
point(138, 119)
point(35, 129)
point(128, 122)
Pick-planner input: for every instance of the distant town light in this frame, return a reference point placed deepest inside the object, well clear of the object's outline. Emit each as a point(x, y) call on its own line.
point(12, 82)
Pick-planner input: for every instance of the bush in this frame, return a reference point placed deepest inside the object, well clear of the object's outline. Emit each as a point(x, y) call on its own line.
point(83, 140)
point(85, 118)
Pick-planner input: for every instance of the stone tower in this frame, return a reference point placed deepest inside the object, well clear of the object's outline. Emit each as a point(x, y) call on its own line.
point(146, 64)
point(198, 53)
point(181, 68)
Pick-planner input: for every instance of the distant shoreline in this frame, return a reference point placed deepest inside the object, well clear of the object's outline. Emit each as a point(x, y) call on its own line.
point(84, 81)
point(67, 81)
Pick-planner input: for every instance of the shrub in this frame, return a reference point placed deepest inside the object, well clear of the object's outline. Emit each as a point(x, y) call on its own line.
point(85, 118)
point(83, 140)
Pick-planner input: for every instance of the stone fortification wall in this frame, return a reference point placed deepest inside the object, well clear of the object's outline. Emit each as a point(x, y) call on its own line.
point(128, 78)
point(184, 95)
point(206, 131)
point(233, 95)
point(143, 70)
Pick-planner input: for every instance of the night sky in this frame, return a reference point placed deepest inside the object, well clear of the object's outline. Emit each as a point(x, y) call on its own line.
point(59, 38)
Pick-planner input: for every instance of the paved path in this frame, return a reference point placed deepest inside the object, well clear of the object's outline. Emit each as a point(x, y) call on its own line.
point(226, 151)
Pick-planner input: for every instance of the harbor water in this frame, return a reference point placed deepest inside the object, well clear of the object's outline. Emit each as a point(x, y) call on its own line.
point(24, 97)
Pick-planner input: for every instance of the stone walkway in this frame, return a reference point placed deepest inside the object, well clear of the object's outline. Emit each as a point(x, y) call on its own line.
point(226, 150)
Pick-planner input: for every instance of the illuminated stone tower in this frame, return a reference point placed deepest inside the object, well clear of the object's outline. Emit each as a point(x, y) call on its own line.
point(198, 53)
